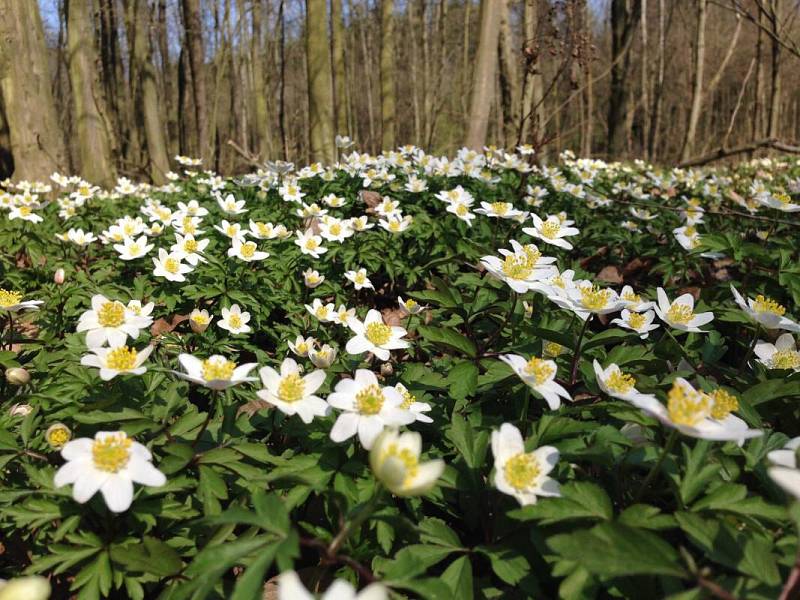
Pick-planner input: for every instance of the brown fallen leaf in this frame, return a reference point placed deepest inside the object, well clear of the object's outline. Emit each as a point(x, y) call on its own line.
point(253, 407)
point(393, 317)
point(371, 199)
point(610, 274)
point(161, 326)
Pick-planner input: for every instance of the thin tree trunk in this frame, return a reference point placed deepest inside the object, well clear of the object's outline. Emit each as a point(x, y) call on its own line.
point(37, 143)
point(193, 26)
point(263, 139)
point(532, 117)
point(320, 84)
point(775, 59)
point(645, 80)
point(483, 76)
point(415, 23)
point(624, 15)
point(509, 75)
point(339, 76)
point(697, 81)
point(388, 103)
point(758, 104)
point(658, 88)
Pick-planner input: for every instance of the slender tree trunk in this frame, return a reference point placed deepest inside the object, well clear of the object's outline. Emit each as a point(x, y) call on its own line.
point(94, 145)
point(263, 139)
point(532, 116)
point(37, 143)
point(148, 100)
point(775, 59)
point(658, 89)
point(193, 26)
point(644, 100)
point(758, 104)
point(483, 76)
point(697, 81)
point(465, 70)
point(6, 160)
point(339, 76)
point(509, 75)
point(624, 15)
point(586, 150)
point(415, 23)
point(387, 76)
point(320, 84)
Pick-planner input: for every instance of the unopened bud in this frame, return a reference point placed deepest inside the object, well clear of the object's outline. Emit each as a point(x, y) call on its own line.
point(58, 277)
point(57, 435)
point(199, 320)
point(17, 376)
point(25, 588)
point(387, 369)
point(20, 410)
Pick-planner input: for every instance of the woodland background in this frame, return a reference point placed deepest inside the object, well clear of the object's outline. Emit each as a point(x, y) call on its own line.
point(105, 88)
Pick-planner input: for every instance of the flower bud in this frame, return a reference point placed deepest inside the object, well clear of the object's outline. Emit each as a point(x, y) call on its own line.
point(199, 320)
point(17, 376)
point(25, 588)
point(387, 369)
point(57, 435)
point(322, 358)
point(58, 277)
point(20, 410)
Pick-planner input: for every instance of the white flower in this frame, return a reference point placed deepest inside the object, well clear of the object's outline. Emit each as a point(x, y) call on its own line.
point(765, 311)
point(262, 231)
point(641, 323)
point(410, 403)
point(79, 238)
point(230, 205)
point(585, 299)
point(539, 375)
point(698, 414)
point(784, 469)
point(216, 372)
point(25, 213)
point(359, 279)
point(291, 588)
point(367, 408)
point(302, 346)
point(234, 320)
point(394, 459)
point(335, 230)
point(111, 463)
point(309, 243)
point(617, 384)
point(199, 320)
point(687, 237)
point(246, 251)
point(778, 200)
point(520, 269)
point(232, 230)
point(373, 335)
point(34, 587)
point(783, 354)
point(633, 301)
point(322, 358)
point(135, 307)
point(189, 248)
point(410, 306)
point(323, 312)
point(12, 301)
point(170, 266)
point(116, 360)
point(551, 231)
point(343, 315)
point(461, 210)
point(312, 278)
point(131, 249)
point(680, 313)
point(499, 210)
point(110, 321)
point(396, 224)
point(521, 474)
point(293, 393)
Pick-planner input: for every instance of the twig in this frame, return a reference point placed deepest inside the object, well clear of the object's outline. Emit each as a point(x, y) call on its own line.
point(723, 152)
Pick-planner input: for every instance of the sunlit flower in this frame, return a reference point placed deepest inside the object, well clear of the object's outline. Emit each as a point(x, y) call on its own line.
point(170, 266)
point(33, 587)
point(411, 403)
point(216, 372)
point(234, 320)
point(521, 268)
point(765, 311)
point(230, 205)
point(131, 249)
point(189, 248)
point(246, 251)
point(302, 346)
point(116, 360)
point(233, 231)
point(335, 230)
point(499, 210)
point(373, 335)
point(312, 278)
point(323, 357)
point(291, 588)
point(110, 463)
point(783, 354)
point(367, 408)
point(396, 224)
point(538, 374)
point(323, 312)
point(12, 301)
point(199, 320)
point(110, 321)
point(24, 213)
point(784, 470)
point(461, 209)
point(680, 314)
point(551, 231)
point(309, 243)
point(633, 301)
point(410, 306)
point(640, 322)
point(395, 461)
point(293, 393)
point(521, 474)
point(359, 279)
point(617, 384)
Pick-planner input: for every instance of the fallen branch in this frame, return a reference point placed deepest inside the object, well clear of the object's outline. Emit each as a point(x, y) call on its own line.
point(723, 152)
point(251, 158)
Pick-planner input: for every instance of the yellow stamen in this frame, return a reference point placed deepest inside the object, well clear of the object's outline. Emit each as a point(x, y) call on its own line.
point(594, 298)
point(680, 313)
point(369, 401)
point(541, 369)
point(378, 333)
point(620, 382)
point(724, 404)
point(291, 388)
point(9, 298)
point(111, 314)
point(112, 453)
point(687, 407)
point(220, 370)
point(763, 304)
point(121, 359)
point(521, 471)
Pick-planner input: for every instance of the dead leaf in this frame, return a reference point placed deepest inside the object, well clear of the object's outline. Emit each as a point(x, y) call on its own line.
point(393, 317)
point(371, 199)
point(253, 407)
point(610, 274)
point(162, 326)
point(693, 290)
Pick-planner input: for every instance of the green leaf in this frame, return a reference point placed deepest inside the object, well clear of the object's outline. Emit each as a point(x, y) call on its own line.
point(458, 576)
point(250, 586)
point(472, 445)
point(579, 500)
point(448, 337)
point(462, 379)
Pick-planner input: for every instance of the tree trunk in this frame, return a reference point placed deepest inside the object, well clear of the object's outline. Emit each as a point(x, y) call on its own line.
point(193, 26)
point(533, 116)
point(148, 95)
point(320, 84)
point(658, 88)
point(697, 81)
point(95, 159)
point(483, 76)
point(263, 139)
point(339, 76)
point(775, 59)
point(36, 139)
point(387, 76)
point(624, 15)
point(509, 75)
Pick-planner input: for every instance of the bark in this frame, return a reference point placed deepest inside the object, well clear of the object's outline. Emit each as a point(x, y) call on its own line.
point(624, 16)
point(483, 76)
point(697, 81)
point(95, 160)
point(6, 160)
point(388, 101)
point(193, 27)
point(509, 76)
point(532, 103)
point(339, 76)
point(148, 95)
point(658, 88)
point(263, 139)
point(775, 61)
point(320, 84)
point(36, 139)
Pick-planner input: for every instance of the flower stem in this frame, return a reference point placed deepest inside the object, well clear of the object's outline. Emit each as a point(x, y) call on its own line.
point(751, 347)
point(364, 511)
point(673, 436)
point(576, 358)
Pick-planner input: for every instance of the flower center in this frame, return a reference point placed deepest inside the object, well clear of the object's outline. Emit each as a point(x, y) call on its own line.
point(190, 245)
point(121, 359)
point(762, 304)
point(200, 319)
point(111, 314)
point(369, 401)
point(171, 265)
point(321, 312)
point(232, 230)
point(541, 369)
point(680, 313)
point(500, 208)
point(785, 359)
point(782, 197)
point(235, 321)
point(394, 225)
point(405, 456)
point(111, 454)
point(594, 298)
point(311, 244)
point(521, 471)
point(219, 370)
point(629, 296)
point(291, 388)
point(636, 320)
point(24, 210)
point(335, 229)
point(360, 278)
point(410, 304)
point(620, 382)
point(408, 400)
point(724, 404)
point(517, 267)
point(686, 406)
point(550, 228)
point(8, 298)
point(248, 249)
point(58, 437)
point(552, 349)
point(378, 333)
